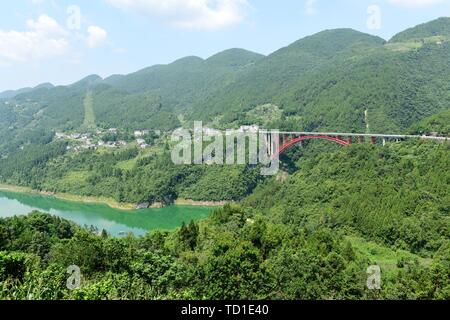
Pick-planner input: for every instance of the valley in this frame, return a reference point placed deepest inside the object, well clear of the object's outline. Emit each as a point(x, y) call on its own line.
point(312, 231)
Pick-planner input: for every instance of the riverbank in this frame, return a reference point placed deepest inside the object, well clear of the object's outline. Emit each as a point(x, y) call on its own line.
point(107, 201)
point(187, 202)
point(71, 197)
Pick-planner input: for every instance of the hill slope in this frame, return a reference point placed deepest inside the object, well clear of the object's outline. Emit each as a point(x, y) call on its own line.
point(438, 27)
point(326, 81)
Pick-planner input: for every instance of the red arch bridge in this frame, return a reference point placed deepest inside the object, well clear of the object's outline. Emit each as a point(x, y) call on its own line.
point(286, 140)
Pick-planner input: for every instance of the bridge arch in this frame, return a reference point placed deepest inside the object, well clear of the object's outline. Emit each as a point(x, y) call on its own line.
point(294, 141)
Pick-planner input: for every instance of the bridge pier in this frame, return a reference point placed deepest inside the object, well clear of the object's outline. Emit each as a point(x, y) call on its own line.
point(361, 140)
point(350, 140)
point(373, 140)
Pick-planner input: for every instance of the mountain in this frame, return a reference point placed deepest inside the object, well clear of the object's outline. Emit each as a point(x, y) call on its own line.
point(87, 81)
point(435, 28)
point(329, 80)
point(46, 85)
point(310, 232)
point(12, 93)
point(234, 58)
point(279, 72)
point(341, 80)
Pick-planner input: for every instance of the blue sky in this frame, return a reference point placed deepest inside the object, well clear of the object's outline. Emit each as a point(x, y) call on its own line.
point(61, 41)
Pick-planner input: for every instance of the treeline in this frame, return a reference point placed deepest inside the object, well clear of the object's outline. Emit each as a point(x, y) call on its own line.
point(23, 167)
point(126, 175)
point(232, 255)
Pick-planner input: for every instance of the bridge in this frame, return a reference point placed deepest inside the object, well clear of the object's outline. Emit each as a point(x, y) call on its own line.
point(290, 139)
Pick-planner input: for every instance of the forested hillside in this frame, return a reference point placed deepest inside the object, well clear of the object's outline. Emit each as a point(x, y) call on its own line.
point(439, 27)
point(324, 81)
point(312, 236)
point(336, 80)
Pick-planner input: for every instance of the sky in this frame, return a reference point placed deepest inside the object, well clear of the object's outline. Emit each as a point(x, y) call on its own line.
point(62, 41)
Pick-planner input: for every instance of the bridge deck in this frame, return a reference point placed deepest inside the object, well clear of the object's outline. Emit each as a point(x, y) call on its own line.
point(368, 135)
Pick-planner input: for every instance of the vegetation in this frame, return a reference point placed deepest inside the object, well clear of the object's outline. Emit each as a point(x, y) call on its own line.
point(325, 82)
point(311, 237)
point(309, 233)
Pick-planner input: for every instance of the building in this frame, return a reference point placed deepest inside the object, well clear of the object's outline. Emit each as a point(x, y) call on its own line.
point(252, 129)
point(141, 133)
point(60, 135)
point(120, 143)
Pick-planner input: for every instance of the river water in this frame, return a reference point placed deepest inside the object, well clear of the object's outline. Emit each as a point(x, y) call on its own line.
point(116, 222)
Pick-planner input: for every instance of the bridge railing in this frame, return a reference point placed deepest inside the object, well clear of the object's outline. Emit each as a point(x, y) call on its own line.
point(367, 135)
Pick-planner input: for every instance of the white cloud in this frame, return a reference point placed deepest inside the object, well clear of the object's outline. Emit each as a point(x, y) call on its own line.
point(44, 39)
point(310, 7)
point(46, 25)
point(415, 3)
point(97, 37)
point(189, 14)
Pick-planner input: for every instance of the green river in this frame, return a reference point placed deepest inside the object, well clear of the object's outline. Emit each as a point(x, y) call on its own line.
point(115, 222)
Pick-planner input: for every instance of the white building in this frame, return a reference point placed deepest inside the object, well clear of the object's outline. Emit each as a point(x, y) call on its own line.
point(138, 133)
point(121, 143)
point(253, 128)
point(60, 135)
point(141, 133)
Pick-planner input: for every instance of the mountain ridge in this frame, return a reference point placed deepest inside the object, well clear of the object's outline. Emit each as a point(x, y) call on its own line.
point(327, 81)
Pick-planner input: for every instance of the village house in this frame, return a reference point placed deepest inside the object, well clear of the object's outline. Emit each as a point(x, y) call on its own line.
point(252, 129)
point(60, 135)
point(141, 133)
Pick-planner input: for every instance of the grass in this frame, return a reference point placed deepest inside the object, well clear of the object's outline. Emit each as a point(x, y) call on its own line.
point(265, 113)
point(128, 164)
point(404, 46)
point(414, 44)
point(383, 256)
point(89, 115)
point(75, 177)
